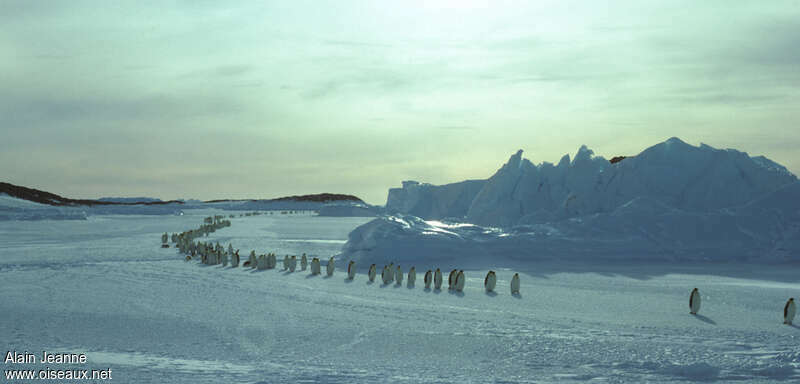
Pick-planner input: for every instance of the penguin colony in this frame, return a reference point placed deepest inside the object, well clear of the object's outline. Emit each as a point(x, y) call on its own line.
point(456, 280)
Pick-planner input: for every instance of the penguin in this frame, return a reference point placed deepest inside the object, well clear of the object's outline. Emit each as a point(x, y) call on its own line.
point(451, 279)
point(372, 272)
point(390, 272)
point(252, 258)
point(331, 266)
point(272, 261)
point(246, 263)
point(262, 262)
point(188, 257)
point(385, 274)
point(515, 284)
point(437, 279)
point(789, 311)
point(694, 302)
point(315, 266)
point(428, 278)
point(490, 281)
point(225, 259)
point(412, 276)
point(285, 262)
point(292, 263)
point(303, 262)
point(460, 281)
point(164, 238)
point(230, 248)
point(398, 276)
point(351, 270)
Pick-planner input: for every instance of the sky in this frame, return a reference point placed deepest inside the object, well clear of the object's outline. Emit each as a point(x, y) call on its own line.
point(225, 99)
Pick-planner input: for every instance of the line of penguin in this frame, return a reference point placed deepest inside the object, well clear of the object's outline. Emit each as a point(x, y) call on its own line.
point(216, 254)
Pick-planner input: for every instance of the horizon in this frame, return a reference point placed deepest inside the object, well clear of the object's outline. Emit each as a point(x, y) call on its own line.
point(200, 100)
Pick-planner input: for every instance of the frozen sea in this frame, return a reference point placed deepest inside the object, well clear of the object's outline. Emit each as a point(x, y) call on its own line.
point(105, 288)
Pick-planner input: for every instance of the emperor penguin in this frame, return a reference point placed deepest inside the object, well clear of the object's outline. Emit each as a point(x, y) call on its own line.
point(315, 266)
point(272, 261)
point(490, 281)
point(292, 263)
point(252, 259)
point(789, 311)
point(398, 275)
point(451, 279)
point(412, 276)
point(262, 262)
point(331, 266)
point(460, 281)
point(351, 270)
point(235, 261)
point(372, 272)
point(428, 278)
point(385, 274)
point(391, 272)
point(286, 262)
point(515, 284)
point(164, 238)
point(694, 302)
point(303, 262)
point(437, 279)
point(230, 248)
point(225, 259)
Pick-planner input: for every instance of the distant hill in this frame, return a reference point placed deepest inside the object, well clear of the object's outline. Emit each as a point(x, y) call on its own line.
point(48, 198)
point(319, 198)
point(129, 199)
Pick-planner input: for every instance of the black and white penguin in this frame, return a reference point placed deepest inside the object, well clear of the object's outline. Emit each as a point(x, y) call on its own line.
point(372, 272)
point(188, 257)
point(460, 281)
point(252, 259)
point(694, 302)
point(315, 269)
point(412, 276)
point(262, 262)
point(272, 261)
point(225, 259)
point(303, 262)
point(351, 270)
point(490, 281)
point(164, 238)
point(230, 248)
point(789, 311)
point(515, 284)
point(428, 279)
point(390, 271)
point(385, 274)
point(285, 262)
point(292, 263)
point(398, 275)
point(331, 266)
point(437, 279)
point(451, 279)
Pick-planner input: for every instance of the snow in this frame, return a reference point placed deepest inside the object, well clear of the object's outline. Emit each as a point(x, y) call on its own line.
point(104, 287)
point(433, 201)
point(12, 208)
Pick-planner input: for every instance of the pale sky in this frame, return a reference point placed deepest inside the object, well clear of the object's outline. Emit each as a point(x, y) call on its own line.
point(224, 99)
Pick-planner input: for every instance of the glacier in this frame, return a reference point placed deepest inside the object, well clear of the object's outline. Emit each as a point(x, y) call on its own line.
point(672, 201)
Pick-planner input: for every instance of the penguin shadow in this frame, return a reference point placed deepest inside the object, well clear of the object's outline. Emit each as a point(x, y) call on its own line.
point(427, 290)
point(370, 282)
point(795, 326)
point(287, 272)
point(310, 276)
point(516, 295)
point(327, 276)
point(398, 286)
point(384, 285)
point(437, 291)
point(410, 286)
point(491, 293)
point(348, 280)
point(705, 319)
